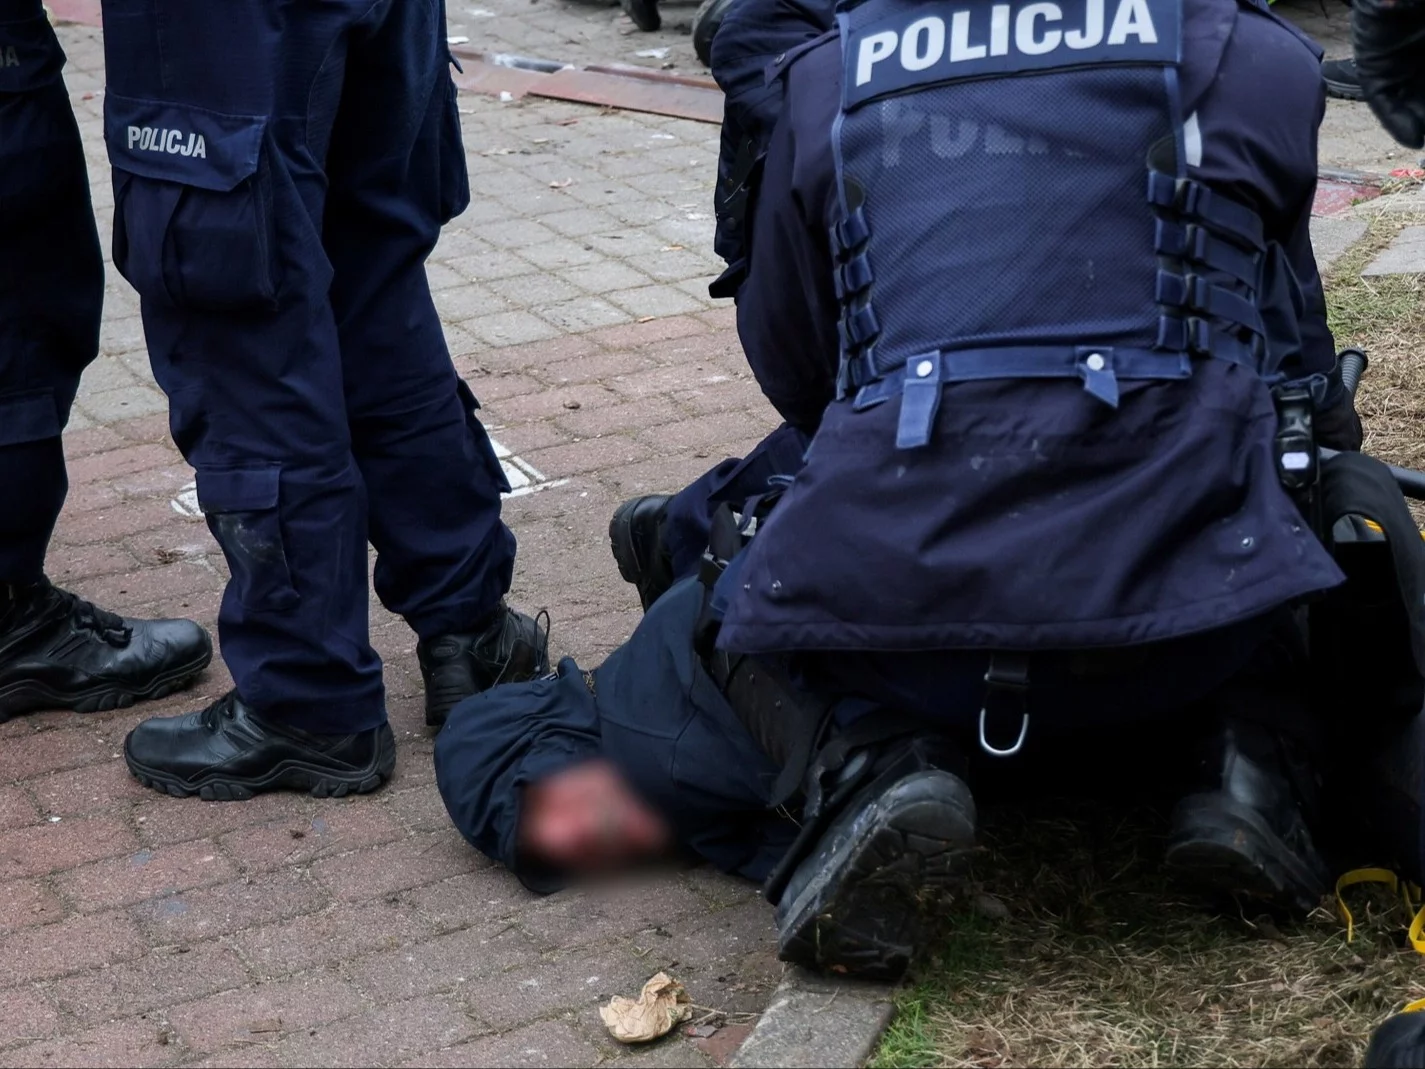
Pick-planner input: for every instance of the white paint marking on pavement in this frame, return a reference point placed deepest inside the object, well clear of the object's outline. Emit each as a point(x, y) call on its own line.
point(186, 503)
point(524, 479)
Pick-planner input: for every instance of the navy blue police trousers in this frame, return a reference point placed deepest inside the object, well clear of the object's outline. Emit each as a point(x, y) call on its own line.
point(51, 283)
point(281, 173)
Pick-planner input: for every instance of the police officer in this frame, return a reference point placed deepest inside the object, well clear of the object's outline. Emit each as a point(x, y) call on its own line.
point(1092, 538)
point(281, 173)
point(1389, 38)
point(657, 538)
point(56, 650)
point(751, 35)
point(1048, 271)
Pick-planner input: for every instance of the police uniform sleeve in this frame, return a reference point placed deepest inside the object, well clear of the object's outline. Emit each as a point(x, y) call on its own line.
point(786, 314)
point(1337, 424)
point(1389, 38)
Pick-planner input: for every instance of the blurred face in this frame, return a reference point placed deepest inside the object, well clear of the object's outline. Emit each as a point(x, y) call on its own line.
point(587, 819)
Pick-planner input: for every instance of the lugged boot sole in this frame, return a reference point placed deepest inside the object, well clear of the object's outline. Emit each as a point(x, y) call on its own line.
point(904, 863)
point(289, 775)
point(28, 696)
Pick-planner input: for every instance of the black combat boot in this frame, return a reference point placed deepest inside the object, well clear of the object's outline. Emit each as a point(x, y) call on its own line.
point(858, 902)
point(1244, 830)
point(58, 651)
point(706, 21)
point(636, 538)
point(644, 14)
point(227, 752)
point(1342, 79)
point(510, 649)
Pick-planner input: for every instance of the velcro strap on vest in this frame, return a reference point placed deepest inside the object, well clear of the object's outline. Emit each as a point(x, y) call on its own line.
point(1195, 201)
point(852, 232)
point(853, 276)
point(1199, 295)
point(1200, 337)
point(1197, 246)
point(920, 400)
point(859, 326)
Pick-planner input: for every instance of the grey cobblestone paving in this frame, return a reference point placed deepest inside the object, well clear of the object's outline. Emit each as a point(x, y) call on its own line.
point(573, 31)
point(1404, 256)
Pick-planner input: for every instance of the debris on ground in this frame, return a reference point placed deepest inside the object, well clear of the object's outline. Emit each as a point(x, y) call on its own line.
point(660, 1006)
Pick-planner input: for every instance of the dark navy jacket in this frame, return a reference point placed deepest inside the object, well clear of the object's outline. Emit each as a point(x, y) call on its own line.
point(652, 711)
point(872, 548)
point(752, 34)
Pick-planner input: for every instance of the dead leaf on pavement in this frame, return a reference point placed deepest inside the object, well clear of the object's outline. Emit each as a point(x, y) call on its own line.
point(659, 1007)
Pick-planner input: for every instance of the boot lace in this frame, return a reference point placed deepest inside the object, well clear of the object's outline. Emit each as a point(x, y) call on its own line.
point(222, 709)
point(89, 617)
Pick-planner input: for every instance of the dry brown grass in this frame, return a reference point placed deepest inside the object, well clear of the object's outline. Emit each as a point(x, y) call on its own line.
point(1101, 961)
point(1386, 318)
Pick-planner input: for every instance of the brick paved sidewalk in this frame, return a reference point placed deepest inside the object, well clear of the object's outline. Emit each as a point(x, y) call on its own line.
point(286, 931)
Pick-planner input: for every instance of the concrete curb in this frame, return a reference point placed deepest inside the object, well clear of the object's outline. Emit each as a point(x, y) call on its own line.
point(816, 1022)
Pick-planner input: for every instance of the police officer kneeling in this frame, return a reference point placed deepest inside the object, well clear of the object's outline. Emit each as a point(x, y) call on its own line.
point(1037, 279)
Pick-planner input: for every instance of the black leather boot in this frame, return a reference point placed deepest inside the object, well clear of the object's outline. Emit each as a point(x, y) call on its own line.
point(58, 651)
point(1342, 80)
point(644, 14)
point(227, 752)
point(858, 903)
point(635, 536)
point(510, 649)
point(1244, 831)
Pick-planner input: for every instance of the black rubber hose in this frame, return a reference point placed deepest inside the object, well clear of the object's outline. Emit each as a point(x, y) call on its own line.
point(1353, 366)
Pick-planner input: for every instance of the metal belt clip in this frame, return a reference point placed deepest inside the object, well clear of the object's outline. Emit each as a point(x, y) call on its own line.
point(1295, 444)
point(1006, 687)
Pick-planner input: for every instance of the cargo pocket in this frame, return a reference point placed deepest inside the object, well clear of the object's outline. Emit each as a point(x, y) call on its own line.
point(193, 219)
point(241, 507)
point(469, 405)
point(454, 173)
